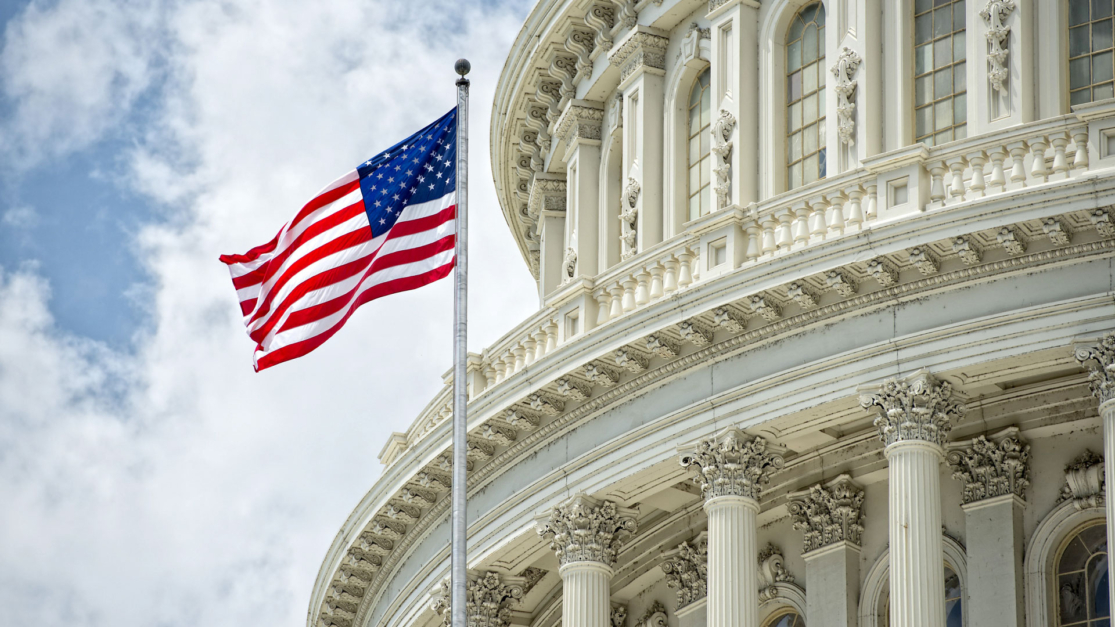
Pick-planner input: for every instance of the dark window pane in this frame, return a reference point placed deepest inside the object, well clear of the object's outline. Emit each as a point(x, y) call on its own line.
point(1080, 72)
point(958, 17)
point(793, 56)
point(942, 22)
point(1103, 92)
point(1101, 35)
point(1080, 97)
point(809, 45)
point(794, 90)
point(923, 90)
point(960, 109)
point(807, 13)
point(1100, 605)
point(942, 81)
point(1100, 9)
point(795, 29)
point(922, 5)
point(942, 52)
point(1070, 596)
point(820, 17)
point(1078, 41)
point(1102, 68)
point(1078, 12)
point(923, 59)
point(959, 51)
point(959, 78)
point(923, 28)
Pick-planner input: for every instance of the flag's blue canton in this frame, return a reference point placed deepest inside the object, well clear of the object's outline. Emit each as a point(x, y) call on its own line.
point(418, 169)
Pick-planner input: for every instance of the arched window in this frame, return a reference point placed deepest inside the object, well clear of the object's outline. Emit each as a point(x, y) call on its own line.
point(1091, 57)
point(940, 72)
point(1082, 591)
point(787, 619)
point(805, 97)
point(700, 164)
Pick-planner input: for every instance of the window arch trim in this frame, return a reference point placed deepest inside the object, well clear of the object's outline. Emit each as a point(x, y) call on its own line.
point(788, 596)
point(686, 69)
point(877, 581)
point(1045, 544)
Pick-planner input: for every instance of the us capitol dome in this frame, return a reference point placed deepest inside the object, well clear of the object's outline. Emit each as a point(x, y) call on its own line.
point(825, 329)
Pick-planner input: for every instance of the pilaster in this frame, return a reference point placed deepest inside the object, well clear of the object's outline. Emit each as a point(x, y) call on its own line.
point(830, 516)
point(915, 418)
point(641, 59)
point(1099, 359)
point(546, 205)
point(735, 80)
point(731, 470)
point(579, 129)
point(995, 473)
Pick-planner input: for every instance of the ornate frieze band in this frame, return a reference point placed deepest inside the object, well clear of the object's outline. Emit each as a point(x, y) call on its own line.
point(686, 569)
point(547, 193)
point(991, 468)
point(584, 529)
point(641, 49)
point(918, 408)
point(829, 514)
point(1100, 362)
point(731, 464)
point(580, 120)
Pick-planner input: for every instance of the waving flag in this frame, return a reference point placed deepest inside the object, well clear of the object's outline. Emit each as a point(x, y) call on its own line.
point(385, 227)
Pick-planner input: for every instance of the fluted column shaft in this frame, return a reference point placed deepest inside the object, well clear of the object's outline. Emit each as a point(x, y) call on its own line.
point(1107, 410)
point(585, 594)
point(733, 553)
point(917, 589)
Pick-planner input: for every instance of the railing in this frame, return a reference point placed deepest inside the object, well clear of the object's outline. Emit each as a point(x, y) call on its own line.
point(978, 167)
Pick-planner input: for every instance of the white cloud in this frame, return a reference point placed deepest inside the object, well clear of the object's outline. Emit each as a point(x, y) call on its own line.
point(21, 217)
point(172, 485)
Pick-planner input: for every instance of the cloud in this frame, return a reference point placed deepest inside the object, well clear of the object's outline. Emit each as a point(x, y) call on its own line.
point(169, 484)
point(22, 217)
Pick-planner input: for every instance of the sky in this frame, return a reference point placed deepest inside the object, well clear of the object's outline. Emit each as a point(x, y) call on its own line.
point(148, 477)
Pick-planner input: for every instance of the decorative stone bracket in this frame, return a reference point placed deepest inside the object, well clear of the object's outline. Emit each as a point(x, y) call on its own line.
point(1085, 482)
point(1100, 362)
point(722, 148)
point(772, 571)
point(998, 36)
point(846, 65)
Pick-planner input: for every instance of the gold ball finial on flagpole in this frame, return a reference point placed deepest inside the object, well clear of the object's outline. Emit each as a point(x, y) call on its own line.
point(462, 66)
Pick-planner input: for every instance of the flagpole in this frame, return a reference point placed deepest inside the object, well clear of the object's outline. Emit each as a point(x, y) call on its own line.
point(459, 562)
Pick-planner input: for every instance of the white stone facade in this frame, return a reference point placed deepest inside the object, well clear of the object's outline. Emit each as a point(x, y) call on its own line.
point(883, 397)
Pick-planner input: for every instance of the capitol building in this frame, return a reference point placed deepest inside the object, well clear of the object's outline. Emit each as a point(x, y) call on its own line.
point(825, 334)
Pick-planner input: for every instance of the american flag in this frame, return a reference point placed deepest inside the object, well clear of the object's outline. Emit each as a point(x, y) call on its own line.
point(385, 227)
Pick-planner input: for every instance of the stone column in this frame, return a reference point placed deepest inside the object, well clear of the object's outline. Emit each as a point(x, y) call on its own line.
point(1100, 362)
point(641, 58)
point(916, 416)
point(831, 519)
point(586, 534)
point(995, 474)
point(731, 470)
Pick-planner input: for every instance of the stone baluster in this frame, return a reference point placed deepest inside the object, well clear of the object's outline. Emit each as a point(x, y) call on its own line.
point(1080, 142)
point(1100, 362)
point(616, 309)
point(602, 306)
point(685, 272)
point(937, 185)
point(551, 336)
point(1038, 146)
point(801, 225)
point(995, 473)
point(871, 211)
point(855, 208)
point(1060, 143)
point(915, 417)
point(753, 233)
point(489, 374)
point(830, 517)
point(695, 264)
point(629, 284)
point(1017, 158)
point(784, 237)
point(836, 213)
point(770, 244)
point(587, 535)
point(976, 161)
point(670, 278)
point(520, 357)
point(817, 220)
point(998, 177)
point(731, 470)
point(501, 369)
point(531, 348)
point(642, 288)
point(656, 290)
point(509, 360)
point(539, 344)
point(956, 180)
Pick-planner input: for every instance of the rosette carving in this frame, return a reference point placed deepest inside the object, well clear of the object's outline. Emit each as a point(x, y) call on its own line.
point(918, 408)
point(989, 469)
point(584, 529)
point(686, 569)
point(1100, 362)
point(829, 514)
point(731, 464)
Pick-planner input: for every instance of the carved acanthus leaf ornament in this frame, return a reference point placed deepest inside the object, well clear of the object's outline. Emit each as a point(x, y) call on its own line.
point(989, 469)
point(829, 514)
point(998, 35)
point(489, 600)
point(731, 464)
point(1100, 362)
point(918, 408)
point(1085, 484)
point(722, 148)
point(583, 529)
point(686, 569)
point(844, 70)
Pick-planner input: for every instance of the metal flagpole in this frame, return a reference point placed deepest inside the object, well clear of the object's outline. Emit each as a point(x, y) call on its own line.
point(460, 354)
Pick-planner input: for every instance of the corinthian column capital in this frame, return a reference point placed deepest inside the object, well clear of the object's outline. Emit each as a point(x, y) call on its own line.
point(490, 599)
point(918, 408)
point(990, 468)
point(686, 569)
point(1099, 359)
point(584, 529)
point(829, 514)
point(731, 464)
